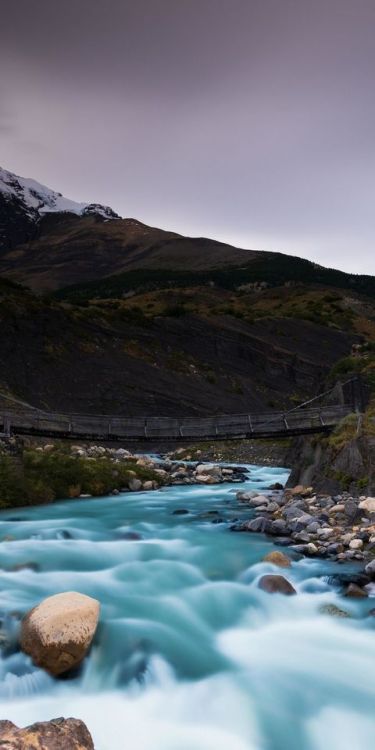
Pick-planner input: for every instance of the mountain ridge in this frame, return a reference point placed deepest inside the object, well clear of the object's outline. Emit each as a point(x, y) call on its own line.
point(50, 243)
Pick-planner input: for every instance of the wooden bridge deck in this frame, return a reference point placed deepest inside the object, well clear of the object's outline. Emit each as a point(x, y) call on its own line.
point(249, 426)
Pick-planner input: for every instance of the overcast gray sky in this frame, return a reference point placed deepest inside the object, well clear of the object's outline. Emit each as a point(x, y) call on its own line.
point(252, 121)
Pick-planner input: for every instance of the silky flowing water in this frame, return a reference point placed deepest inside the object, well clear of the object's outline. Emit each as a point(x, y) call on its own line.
point(190, 654)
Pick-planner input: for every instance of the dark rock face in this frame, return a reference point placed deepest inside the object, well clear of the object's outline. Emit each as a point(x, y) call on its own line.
point(275, 584)
point(116, 366)
point(352, 468)
point(58, 734)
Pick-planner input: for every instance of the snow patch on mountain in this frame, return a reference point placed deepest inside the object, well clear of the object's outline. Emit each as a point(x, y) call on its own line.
point(37, 199)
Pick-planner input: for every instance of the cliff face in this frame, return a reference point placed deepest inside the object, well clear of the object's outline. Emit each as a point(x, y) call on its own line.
point(319, 463)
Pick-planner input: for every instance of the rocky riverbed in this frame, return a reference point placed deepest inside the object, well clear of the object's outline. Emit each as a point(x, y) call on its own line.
point(168, 471)
point(339, 527)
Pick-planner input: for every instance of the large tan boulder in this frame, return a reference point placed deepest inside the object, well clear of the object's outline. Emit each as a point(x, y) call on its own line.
point(368, 505)
point(211, 470)
point(58, 734)
point(277, 558)
point(207, 479)
point(58, 632)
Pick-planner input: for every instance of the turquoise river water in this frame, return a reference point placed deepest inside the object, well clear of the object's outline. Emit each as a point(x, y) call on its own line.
point(189, 654)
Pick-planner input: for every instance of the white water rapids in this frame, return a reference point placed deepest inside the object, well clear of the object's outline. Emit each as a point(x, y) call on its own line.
point(189, 654)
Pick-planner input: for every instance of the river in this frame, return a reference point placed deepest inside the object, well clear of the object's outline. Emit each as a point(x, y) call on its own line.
point(189, 654)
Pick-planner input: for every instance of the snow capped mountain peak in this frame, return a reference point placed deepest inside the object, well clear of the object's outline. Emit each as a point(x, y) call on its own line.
point(38, 199)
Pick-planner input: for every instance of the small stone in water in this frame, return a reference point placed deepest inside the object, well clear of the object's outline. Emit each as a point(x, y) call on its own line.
point(331, 609)
point(275, 584)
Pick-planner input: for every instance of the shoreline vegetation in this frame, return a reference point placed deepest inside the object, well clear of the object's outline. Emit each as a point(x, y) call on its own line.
point(41, 474)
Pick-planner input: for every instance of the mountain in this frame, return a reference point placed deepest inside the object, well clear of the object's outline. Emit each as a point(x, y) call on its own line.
point(50, 243)
point(23, 202)
point(124, 318)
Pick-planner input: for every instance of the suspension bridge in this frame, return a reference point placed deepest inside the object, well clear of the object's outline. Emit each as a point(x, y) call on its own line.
point(315, 415)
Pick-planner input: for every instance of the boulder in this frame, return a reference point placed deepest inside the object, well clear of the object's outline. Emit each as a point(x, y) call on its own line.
point(58, 632)
point(272, 507)
point(292, 512)
point(368, 505)
point(278, 527)
point(207, 478)
point(148, 485)
point(370, 569)
point(122, 453)
point(135, 484)
point(258, 525)
point(356, 544)
point(355, 592)
point(49, 448)
point(311, 549)
point(244, 497)
point(58, 734)
point(352, 511)
point(209, 469)
point(275, 584)
point(277, 558)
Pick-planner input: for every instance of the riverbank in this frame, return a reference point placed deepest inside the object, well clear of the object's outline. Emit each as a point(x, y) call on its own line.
point(340, 527)
point(260, 452)
point(38, 474)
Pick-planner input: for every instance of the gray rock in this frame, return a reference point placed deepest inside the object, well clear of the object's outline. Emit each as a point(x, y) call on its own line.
point(301, 536)
point(292, 512)
point(352, 511)
point(370, 569)
point(313, 527)
point(279, 527)
point(135, 484)
point(272, 507)
point(334, 548)
point(260, 524)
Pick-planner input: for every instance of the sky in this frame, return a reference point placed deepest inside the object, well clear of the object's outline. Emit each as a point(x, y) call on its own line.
point(250, 121)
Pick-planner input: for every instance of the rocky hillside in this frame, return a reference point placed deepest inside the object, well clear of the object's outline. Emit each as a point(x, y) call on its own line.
point(211, 353)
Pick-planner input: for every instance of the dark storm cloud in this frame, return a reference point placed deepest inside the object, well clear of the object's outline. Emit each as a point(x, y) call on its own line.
point(249, 120)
